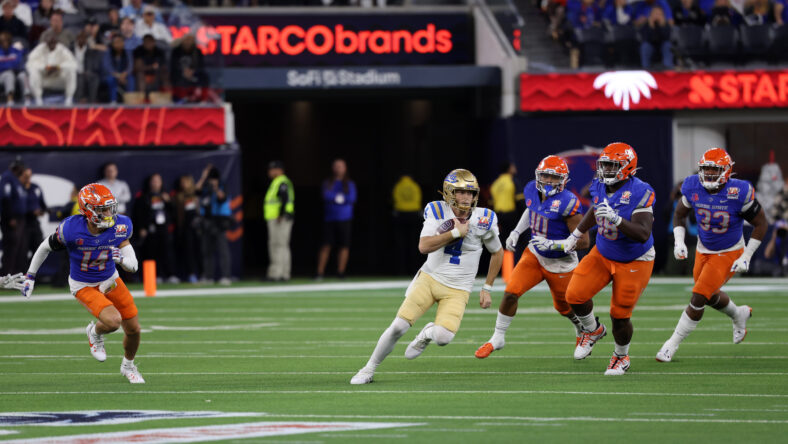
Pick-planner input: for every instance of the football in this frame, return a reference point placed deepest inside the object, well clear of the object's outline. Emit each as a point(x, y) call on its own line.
point(448, 225)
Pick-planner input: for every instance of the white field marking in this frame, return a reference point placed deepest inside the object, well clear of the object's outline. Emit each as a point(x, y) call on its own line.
point(8, 432)
point(748, 410)
point(117, 339)
point(146, 329)
point(515, 424)
point(361, 435)
point(400, 392)
point(469, 372)
point(198, 355)
point(672, 414)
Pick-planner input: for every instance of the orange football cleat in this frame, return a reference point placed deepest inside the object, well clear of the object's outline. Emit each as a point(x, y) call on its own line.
point(485, 350)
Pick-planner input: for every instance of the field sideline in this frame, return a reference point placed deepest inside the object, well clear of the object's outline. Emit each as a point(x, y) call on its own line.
point(281, 357)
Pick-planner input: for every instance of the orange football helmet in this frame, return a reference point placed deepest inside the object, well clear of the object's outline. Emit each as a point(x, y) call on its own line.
point(98, 205)
point(552, 174)
point(617, 162)
point(714, 168)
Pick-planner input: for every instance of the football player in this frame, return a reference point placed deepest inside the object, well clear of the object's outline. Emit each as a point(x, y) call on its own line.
point(96, 240)
point(721, 206)
point(623, 254)
point(552, 212)
point(452, 236)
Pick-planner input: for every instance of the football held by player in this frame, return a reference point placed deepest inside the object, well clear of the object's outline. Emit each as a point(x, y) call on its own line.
point(96, 240)
point(453, 234)
point(623, 254)
point(552, 212)
point(721, 205)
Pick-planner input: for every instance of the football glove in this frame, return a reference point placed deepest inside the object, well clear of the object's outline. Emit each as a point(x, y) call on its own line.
point(680, 251)
point(606, 212)
point(542, 243)
point(117, 256)
point(741, 265)
point(511, 241)
point(14, 281)
point(28, 284)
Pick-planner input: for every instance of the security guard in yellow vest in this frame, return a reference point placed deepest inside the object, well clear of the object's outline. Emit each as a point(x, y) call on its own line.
point(507, 195)
point(278, 212)
point(406, 196)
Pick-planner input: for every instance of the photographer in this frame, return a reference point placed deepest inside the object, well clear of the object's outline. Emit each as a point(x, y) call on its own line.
point(215, 212)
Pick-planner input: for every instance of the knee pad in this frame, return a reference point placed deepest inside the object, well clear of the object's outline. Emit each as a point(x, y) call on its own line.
point(441, 335)
point(399, 327)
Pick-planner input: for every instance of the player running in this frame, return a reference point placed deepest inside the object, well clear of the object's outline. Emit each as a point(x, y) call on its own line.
point(624, 252)
point(721, 206)
point(96, 240)
point(453, 234)
point(552, 213)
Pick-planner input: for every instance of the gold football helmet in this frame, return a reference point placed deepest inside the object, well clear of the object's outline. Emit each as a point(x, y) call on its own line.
point(460, 179)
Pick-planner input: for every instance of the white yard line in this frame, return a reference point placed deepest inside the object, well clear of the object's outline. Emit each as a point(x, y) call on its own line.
point(469, 372)
point(198, 355)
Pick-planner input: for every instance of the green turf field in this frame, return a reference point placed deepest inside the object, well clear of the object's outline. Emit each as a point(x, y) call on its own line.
point(290, 355)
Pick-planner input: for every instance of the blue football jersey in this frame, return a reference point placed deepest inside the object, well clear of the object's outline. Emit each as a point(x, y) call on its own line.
point(719, 215)
point(548, 217)
point(635, 195)
point(89, 254)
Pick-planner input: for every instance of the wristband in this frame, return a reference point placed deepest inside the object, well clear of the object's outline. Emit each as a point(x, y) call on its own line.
point(487, 288)
point(618, 222)
point(577, 233)
point(31, 276)
point(678, 234)
point(455, 233)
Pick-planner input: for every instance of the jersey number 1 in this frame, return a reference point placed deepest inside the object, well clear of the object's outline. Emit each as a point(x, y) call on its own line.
point(100, 262)
point(455, 250)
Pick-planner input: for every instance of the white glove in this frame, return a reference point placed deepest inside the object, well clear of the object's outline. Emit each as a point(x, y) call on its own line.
point(511, 241)
point(542, 243)
point(570, 243)
point(14, 281)
point(117, 256)
point(27, 285)
point(741, 265)
point(604, 211)
point(680, 251)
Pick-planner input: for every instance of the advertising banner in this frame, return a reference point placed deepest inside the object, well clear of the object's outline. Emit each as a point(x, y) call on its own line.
point(112, 126)
point(643, 90)
point(277, 40)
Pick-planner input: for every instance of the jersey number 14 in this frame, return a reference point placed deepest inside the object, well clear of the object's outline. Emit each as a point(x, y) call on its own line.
point(100, 262)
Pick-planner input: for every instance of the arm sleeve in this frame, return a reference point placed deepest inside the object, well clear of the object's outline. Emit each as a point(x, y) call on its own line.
point(328, 191)
point(129, 262)
point(525, 222)
point(351, 192)
point(39, 257)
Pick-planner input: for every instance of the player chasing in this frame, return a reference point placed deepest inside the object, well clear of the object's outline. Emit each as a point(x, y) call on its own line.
point(96, 240)
point(552, 213)
point(721, 206)
point(452, 236)
point(624, 252)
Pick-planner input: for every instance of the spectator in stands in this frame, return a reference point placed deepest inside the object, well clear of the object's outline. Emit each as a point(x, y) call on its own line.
point(95, 38)
point(150, 67)
point(12, 218)
point(119, 188)
point(112, 26)
point(9, 22)
point(187, 71)
point(131, 41)
point(23, 12)
point(67, 6)
point(52, 65)
point(56, 30)
point(643, 12)
point(88, 69)
point(12, 69)
point(152, 220)
point(43, 13)
point(216, 218)
point(408, 208)
point(723, 14)
point(688, 12)
point(776, 249)
point(619, 12)
point(187, 224)
point(34, 208)
point(149, 26)
point(339, 197)
point(584, 15)
point(556, 14)
point(118, 68)
point(655, 34)
point(134, 11)
point(763, 12)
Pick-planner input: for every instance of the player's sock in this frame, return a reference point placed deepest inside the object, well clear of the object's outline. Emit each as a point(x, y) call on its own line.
point(576, 322)
point(729, 309)
point(502, 323)
point(622, 350)
point(127, 362)
point(683, 329)
point(589, 321)
point(387, 341)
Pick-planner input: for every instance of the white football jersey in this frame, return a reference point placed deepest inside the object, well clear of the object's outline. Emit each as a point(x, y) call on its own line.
point(456, 264)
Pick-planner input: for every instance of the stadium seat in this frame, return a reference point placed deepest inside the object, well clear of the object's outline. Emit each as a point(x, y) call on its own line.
point(756, 41)
point(592, 46)
point(779, 45)
point(723, 43)
point(625, 45)
point(689, 43)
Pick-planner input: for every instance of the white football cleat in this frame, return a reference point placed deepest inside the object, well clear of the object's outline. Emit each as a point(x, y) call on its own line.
point(587, 341)
point(417, 346)
point(740, 323)
point(364, 376)
point(665, 354)
point(618, 365)
point(96, 344)
point(131, 373)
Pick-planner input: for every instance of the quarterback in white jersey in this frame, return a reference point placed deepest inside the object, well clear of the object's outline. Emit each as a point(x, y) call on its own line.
point(454, 232)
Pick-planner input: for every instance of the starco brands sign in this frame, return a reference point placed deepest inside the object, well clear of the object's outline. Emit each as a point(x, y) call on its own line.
point(641, 90)
point(353, 39)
